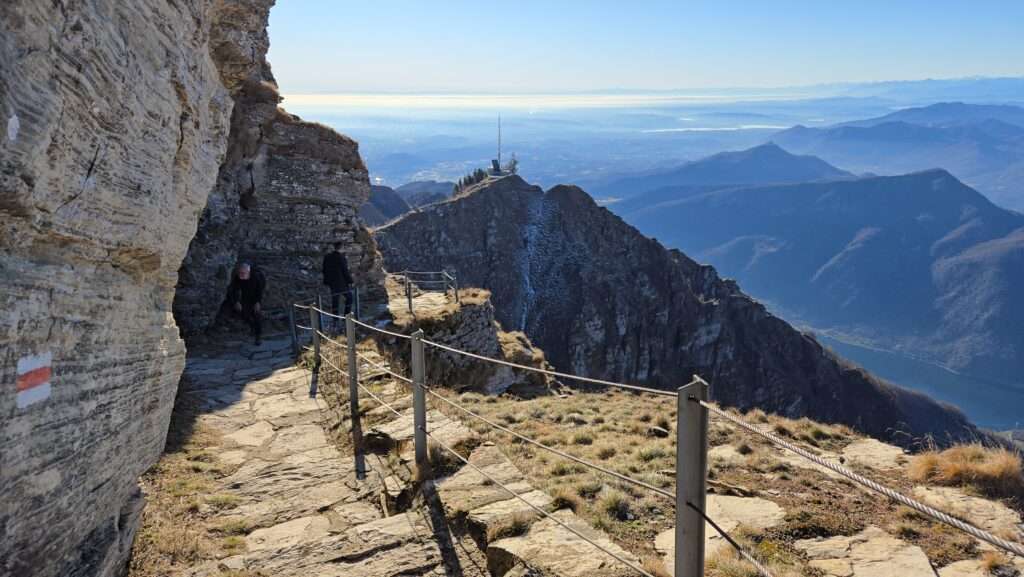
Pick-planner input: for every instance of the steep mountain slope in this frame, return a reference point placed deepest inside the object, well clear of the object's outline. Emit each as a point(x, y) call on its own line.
point(383, 205)
point(982, 145)
point(920, 262)
point(601, 299)
point(764, 164)
point(424, 192)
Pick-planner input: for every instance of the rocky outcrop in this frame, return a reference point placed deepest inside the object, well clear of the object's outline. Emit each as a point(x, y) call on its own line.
point(468, 324)
point(287, 190)
point(115, 123)
point(870, 552)
point(119, 118)
point(603, 300)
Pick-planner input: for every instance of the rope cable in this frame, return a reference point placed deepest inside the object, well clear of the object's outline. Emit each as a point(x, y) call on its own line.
point(743, 553)
point(544, 513)
point(1013, 548)
point(563, 454)
point(551, 373)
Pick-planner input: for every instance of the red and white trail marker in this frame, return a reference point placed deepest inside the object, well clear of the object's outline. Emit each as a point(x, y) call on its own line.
point(34, 379)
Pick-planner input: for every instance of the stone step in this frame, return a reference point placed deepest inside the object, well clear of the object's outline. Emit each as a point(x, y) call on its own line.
point(729, 512)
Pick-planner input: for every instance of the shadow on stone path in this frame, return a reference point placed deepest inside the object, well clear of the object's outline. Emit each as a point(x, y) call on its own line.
point(297, 497)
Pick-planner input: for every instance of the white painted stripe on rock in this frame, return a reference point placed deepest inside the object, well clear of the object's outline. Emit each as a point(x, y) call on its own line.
point(33, 362)
point(33, 395)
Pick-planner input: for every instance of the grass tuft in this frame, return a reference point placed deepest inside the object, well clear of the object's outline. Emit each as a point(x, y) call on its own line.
point(514, 526)
point(993, 472)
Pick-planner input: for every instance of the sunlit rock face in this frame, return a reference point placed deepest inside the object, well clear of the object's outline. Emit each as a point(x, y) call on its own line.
point(288, 189)
point(117, 120)
point(603, 300)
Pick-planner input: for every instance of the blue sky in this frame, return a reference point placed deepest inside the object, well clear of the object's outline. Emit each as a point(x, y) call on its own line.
point(554, 46)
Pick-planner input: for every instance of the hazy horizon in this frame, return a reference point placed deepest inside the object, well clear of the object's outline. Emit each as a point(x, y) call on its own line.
point(602, 45)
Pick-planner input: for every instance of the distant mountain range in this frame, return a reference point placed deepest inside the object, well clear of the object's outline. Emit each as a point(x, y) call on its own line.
point(767, 163)
point(983, 145)
point(920, 263)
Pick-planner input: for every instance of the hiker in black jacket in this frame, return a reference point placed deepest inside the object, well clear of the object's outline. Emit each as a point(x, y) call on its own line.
point(245, 295)
point(338, 278)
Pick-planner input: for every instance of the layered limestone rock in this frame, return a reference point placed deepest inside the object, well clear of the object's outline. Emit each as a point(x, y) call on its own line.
point(115, 123)
point(468, 324)
point(603, 300)
point(286, 192)
point(119, 118)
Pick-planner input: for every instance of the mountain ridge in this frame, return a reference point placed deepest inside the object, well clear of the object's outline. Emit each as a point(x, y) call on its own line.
point(757, 165)
point(829, 252)
point(982, 145)
point(602, 299)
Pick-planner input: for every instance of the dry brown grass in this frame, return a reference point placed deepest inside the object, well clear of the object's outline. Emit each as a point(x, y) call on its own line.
point(992, 472)
point(513, 526)
point(993, 562)
point(780, 559)
point(655, 566)
point(610, 428)
point(179, 526)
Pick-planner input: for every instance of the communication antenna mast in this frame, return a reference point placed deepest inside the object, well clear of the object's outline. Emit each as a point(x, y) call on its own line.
point(499, 140)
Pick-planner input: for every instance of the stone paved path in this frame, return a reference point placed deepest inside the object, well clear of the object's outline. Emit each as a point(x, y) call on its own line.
point(302, 508)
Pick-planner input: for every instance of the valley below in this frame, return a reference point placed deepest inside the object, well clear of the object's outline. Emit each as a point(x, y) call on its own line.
point(987, 403)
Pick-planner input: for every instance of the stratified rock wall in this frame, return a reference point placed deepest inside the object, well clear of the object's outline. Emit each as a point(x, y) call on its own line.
point(117, 119)
point(114, 124)
point(287, 190)
point(603, 300)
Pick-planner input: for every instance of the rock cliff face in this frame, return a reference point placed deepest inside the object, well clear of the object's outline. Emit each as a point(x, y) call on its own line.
point(287, 190)
point(118, 120)
point(115, 123)
point(601, 299)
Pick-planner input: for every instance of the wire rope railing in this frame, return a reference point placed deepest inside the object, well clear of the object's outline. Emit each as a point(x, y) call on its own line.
point(440, 280)
point(691, 446)
point(556, 374)
point(540, 510)
point(552, 450)
point(761, 569)
point(863, 481)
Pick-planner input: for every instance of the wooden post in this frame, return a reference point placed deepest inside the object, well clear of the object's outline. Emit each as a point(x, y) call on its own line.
point(691, 475)
point(419, 400)
point(353, 396)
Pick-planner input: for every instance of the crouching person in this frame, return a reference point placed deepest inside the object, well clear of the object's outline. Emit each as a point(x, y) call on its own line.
point(245, 295)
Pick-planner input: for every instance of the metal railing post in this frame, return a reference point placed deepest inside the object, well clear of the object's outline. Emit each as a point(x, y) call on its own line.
point(320, 305)
point(691, 475)
point(408, 293)
point(292, 330)
point(419, 400)
point(355, 297)
point(353, 396)
point(314, 323)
